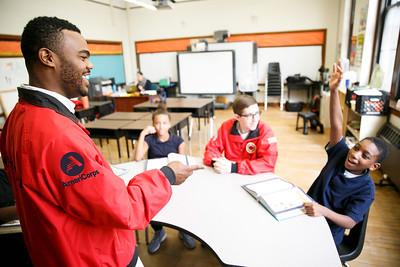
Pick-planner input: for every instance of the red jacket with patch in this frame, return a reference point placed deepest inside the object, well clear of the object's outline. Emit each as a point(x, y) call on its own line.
point(74, 210)
point(257, 154)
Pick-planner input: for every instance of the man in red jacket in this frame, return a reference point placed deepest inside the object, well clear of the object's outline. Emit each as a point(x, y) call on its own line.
point(244, 144)
point(74, 210)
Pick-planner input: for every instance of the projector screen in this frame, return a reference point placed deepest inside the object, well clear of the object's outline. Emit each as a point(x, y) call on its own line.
point(210, 72)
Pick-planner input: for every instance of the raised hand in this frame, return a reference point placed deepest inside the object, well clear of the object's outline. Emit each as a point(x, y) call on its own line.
point(149, 130)
point(336, 76)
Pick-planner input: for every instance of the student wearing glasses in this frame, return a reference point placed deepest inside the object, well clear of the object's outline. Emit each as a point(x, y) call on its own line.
point(244, 144)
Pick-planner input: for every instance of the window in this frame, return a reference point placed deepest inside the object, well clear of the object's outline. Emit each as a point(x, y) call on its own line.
point(389, 58)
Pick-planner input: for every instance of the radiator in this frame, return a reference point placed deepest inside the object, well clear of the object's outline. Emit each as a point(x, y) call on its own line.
point(391, 166)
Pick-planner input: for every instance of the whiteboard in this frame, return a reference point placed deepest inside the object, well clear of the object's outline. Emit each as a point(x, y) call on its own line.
point(210, 72)
point(305, 60)
point(157, 66)
point(13, 72)
point(246, 70)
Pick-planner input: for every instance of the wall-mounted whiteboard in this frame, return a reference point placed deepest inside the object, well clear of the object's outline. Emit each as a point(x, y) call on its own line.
point(305, 60)
point(245, 63)
point(157, 66)
point(13, 73)
point(210, 72)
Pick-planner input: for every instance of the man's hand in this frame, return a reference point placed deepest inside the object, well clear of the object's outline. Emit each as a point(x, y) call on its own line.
point(222, 165)
point(313, 209)
point(182, 171)
point(336, 76)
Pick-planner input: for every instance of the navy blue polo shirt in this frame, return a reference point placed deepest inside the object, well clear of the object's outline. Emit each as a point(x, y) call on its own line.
point(158, 149)
point(347, 196)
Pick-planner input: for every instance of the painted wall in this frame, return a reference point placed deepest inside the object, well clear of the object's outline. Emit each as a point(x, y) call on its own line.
point(96, 22)
point(202, 18)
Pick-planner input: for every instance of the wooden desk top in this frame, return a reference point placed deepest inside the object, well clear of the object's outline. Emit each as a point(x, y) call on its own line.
point(106, 124)
point(127, 116)
point(176, 117)
point(178, 103)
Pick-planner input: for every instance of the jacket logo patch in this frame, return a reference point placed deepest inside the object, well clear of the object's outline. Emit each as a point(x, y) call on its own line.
point(250, 147)
point(72, 164)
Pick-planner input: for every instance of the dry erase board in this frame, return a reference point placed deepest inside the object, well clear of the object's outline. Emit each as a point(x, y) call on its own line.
point(157, 66)
point(305, 60)
point(13, 72)
point(245, 62)
point(210, 72)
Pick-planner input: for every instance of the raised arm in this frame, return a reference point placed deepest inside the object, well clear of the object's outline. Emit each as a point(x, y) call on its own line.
point(142, 147)
point(335, 112)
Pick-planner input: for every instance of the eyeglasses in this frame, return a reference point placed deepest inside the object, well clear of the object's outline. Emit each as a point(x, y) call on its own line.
point(251, 115)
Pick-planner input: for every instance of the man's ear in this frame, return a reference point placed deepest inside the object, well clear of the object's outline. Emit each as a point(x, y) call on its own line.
point(236, 116)
point(46, 57)
point(375, 166)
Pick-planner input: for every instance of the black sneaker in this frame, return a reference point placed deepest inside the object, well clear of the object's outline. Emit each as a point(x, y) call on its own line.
point(188, 241)
point(158, 238)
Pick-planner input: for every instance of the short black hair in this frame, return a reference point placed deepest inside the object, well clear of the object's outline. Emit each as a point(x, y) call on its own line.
point(43, 32)
point(381, 146)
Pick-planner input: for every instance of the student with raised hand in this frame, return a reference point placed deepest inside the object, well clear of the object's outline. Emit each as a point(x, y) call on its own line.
point(158, 142)
point(244, 144)
point(343, 191)
point(74, 211)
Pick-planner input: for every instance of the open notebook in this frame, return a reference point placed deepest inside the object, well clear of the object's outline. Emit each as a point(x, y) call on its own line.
point(281, 198)
point(158, 163)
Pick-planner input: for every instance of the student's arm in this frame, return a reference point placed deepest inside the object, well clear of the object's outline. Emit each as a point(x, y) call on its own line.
point(335, 112)
point(214, 148)
point(182, 148)
point(142, 147)
point(315, 209)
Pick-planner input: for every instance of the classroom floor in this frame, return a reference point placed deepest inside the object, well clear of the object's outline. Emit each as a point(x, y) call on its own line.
point(300, 160)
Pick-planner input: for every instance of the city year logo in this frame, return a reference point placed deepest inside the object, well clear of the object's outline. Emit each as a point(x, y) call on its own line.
point(72, 164)
point(250, 147)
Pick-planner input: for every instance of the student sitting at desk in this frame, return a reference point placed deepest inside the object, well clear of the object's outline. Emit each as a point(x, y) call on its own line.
point(344, 189)
point(143, 84)
point(158, 143)
point(244, 144)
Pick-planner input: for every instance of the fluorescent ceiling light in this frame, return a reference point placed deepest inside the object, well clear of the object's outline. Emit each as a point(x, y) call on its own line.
point(143, 3)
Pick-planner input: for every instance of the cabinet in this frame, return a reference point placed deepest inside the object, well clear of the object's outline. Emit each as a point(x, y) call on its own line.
point(361, 126)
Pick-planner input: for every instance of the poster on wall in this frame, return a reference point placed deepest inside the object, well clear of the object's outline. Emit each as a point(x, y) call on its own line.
point(13, 73)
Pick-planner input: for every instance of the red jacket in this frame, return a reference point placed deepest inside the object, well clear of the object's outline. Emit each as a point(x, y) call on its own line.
point(258, 153)
point(74, 210)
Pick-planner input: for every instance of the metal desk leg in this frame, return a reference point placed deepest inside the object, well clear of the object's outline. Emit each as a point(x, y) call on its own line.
point(119, 148)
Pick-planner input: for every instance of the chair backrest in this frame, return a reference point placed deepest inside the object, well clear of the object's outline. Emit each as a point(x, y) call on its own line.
point(8, 100)
point(353, 243)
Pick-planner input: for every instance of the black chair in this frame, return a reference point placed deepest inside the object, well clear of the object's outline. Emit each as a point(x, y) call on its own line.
point(353, 243)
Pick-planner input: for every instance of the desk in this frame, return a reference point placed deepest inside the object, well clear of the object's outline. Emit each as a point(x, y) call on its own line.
point(107, 129)
point(102, 108)
point(131, 116)
point(121, 124)
point(199, 107)
point(86, 113)
point(215, 209)
point(307, 85)
point(125, 103)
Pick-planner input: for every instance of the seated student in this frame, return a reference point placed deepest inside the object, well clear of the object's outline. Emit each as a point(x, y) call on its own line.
point(142, 83)
point(244, 144)
point(158, 143)
point(344, 190)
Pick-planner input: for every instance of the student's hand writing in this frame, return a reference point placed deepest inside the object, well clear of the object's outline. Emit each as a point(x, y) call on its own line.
point(336, 76)
point(313, 209)
point(182, 171)
point(222, 165)
point(149, 130)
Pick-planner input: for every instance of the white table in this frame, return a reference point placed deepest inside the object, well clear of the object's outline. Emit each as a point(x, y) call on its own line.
point(216, 210)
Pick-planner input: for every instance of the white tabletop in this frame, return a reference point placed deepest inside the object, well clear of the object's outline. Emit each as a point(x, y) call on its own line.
point(215, 209)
